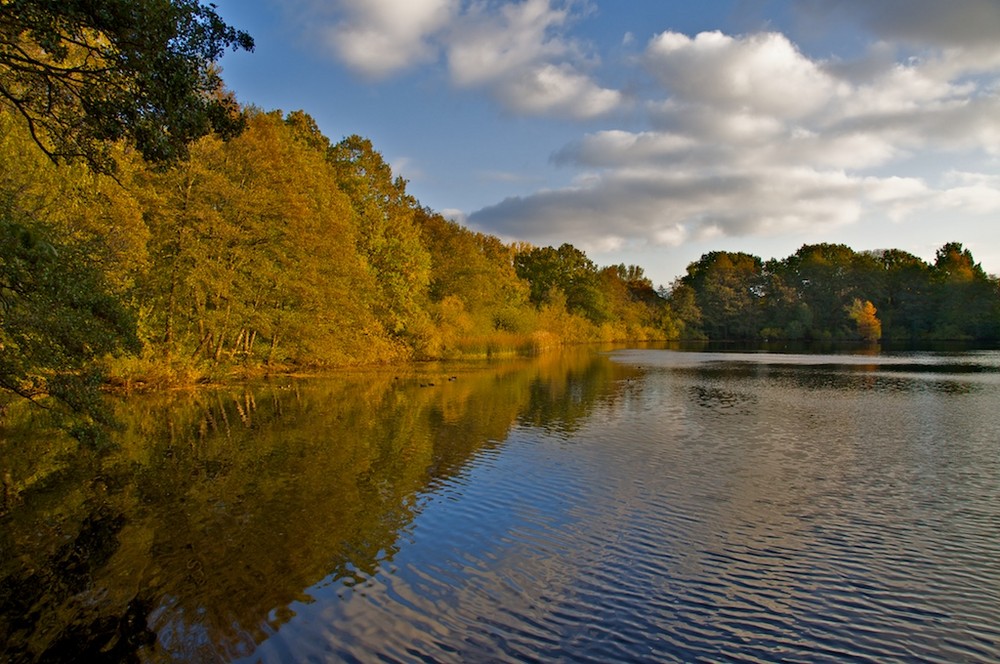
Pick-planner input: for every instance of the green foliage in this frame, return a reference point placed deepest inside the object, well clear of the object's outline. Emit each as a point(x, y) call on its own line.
point(565, 270)
point(57, 319)
point(964, 296)
point(828, 292)
point(86, 74)
point(727, 292)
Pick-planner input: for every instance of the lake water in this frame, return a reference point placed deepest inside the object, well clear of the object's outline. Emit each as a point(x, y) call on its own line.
point(636, 505)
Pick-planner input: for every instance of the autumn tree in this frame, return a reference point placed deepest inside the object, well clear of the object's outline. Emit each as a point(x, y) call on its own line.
point(869, 328)
point(72, 243)
point(474, 289)
point(636, 310)
point(387, 236)
point(79, 77)
point(686, 313)
point(90, 211)
point(255, 253)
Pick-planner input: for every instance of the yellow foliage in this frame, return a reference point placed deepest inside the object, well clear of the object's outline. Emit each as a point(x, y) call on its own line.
point(863, 314)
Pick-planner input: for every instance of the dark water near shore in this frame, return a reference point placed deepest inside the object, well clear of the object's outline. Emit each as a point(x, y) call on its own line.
point(638, 505)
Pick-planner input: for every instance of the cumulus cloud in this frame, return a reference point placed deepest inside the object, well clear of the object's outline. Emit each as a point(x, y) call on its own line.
point(978, 193)
point(489, 45)
point(763, 74)
point(735, 135)
point(665, 207)
point(517, 51)
point(752, 137)
point(559, 90)
point(380, 37)
point(521, 55)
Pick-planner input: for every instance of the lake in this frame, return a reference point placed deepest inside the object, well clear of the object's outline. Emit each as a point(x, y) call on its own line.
point(643, 505)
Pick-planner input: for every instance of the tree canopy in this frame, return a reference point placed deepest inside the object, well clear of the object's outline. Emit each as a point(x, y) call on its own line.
point(831, 292)
point(84, 74)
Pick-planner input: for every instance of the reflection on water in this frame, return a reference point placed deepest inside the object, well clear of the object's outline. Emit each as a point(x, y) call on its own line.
point(222, 507)
point(647, 506)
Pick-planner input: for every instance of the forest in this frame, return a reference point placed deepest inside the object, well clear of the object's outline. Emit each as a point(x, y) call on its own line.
point(155, 232)
point(829, 292)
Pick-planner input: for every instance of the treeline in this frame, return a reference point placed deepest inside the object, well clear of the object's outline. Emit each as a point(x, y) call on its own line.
point(827, 292)
point(273, 249)
point(279, 249)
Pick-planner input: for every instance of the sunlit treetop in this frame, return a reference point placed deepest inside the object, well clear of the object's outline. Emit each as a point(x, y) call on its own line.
point(85, 73)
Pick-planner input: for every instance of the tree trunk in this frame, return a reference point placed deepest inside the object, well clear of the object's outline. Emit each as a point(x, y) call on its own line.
point(205, 338)
point(218, 347)
point(270, 352)
point(239, 346)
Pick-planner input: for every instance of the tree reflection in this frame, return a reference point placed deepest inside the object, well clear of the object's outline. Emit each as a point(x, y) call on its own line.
point(195, 538)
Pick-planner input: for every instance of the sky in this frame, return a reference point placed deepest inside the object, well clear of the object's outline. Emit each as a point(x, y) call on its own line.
point(650, 132)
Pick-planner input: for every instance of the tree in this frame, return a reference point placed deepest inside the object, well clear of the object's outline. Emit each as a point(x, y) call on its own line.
point(904, 299)
point(727, 289)
point(965, 296)
point(684, 305)
point(863, 314)
point(567, 270)
point(71, 244)
point(86, 73)
point(56, 316)
point(478, 270)
point(255, 256)
point(824, 275)
point(387, 235)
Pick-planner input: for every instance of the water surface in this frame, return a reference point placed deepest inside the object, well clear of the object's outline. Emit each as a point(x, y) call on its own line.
point(642, 505)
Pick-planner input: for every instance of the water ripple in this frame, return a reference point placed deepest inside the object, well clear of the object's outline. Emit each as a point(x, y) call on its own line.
point(700, 517)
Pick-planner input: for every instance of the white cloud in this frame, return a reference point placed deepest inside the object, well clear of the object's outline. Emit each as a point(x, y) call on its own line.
point(661, 206)
point(897, 197)
point(381, 37)
point(761, 74)
point(557, 90)
point(978, 193)
point(753, 138)
point(616, 148)
point(516, 51)
point(489, 45)
point(520, 54)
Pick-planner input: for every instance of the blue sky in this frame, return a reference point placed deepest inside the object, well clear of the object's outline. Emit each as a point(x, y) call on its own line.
point(653, 131)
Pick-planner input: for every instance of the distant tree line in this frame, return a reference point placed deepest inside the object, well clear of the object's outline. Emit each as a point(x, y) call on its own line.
point(829, 292)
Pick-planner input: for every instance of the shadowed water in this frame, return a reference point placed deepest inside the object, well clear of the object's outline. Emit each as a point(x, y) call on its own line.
point(646, 505)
